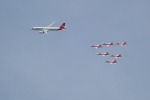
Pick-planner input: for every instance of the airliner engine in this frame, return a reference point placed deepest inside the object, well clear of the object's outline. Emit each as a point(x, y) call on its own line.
point(41, 32)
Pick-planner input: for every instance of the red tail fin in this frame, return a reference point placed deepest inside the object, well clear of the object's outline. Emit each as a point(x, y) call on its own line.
point(62, 27)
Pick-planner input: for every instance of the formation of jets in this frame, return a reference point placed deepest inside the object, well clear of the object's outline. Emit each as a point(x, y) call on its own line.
point(108, 44)
point(62, 27)
point(49, 28)
point(107, 54)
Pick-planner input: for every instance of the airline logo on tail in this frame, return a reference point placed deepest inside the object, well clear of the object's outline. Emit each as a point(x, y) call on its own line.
point(62, 27)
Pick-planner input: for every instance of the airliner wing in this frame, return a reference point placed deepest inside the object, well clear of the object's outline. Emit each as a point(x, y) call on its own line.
point(51, 24)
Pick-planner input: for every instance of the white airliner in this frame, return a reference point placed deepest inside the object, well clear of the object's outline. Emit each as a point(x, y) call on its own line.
point(49, 28)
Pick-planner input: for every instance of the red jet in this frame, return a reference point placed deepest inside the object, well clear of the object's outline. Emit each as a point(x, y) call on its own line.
point(96, 46)
point(116, 56)
point(111, 62)
point(103, 54)
point(124, 43)
point(108, 44)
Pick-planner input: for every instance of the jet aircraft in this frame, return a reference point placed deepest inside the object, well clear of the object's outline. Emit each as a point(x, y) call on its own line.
point(96, 46)
point(108, 44)
point(111, 62)
point(116, 56)
point(49, 28)
point(103, 54)
point(123, 43)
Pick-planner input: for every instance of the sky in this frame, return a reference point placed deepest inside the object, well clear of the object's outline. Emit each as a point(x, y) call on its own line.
point(61, 65)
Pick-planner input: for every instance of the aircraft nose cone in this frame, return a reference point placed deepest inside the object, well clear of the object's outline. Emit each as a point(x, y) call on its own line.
point(31, 28)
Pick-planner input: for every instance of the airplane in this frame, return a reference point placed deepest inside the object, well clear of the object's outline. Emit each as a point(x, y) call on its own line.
point(123, 43)
point(49, 28)
point(116, 56)
point(111, 62)
point(103, 54)
point(96, 46)
point(108, 44)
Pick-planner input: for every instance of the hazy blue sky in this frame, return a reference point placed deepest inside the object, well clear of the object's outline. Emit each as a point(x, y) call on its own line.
point(61, 65)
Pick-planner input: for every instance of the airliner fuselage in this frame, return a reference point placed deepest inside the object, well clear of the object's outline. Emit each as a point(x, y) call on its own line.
point(48, 28)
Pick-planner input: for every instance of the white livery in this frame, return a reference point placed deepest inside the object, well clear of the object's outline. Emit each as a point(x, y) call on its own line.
point(49, 28)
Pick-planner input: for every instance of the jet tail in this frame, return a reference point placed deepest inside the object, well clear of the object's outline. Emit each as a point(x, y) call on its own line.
point(62, 27)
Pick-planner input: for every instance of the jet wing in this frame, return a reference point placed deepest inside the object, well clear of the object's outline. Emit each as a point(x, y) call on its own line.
point(51, 24)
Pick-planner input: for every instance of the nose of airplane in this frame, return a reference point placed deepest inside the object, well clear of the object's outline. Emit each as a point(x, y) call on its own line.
point(31, 28)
